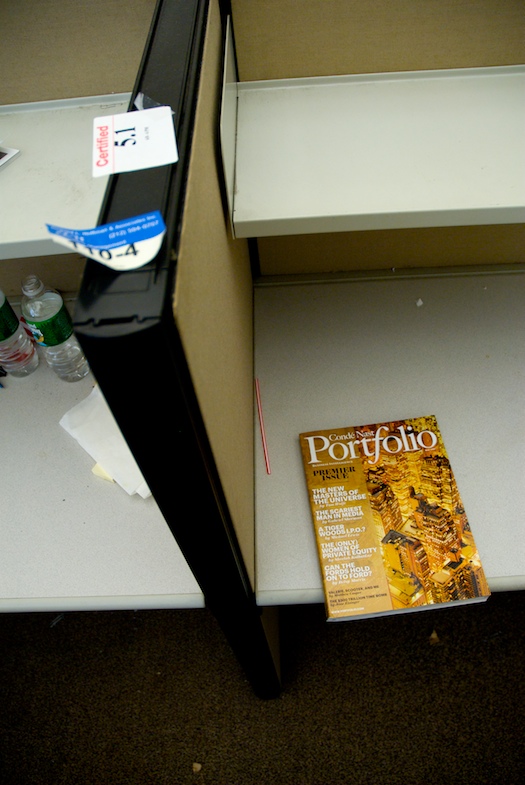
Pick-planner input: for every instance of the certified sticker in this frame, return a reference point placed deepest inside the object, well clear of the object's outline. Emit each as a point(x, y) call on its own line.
point(122, 245)
point(133, 140)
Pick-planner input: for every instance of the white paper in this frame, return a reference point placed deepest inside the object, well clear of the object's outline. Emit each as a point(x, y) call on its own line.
point(93, 426)
point(133, 140)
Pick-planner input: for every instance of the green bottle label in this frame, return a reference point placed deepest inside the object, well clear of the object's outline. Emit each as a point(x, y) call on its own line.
point(8, 321)
point(51, 332)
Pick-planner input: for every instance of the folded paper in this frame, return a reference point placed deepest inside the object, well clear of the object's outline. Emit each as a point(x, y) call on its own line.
point(93, 426)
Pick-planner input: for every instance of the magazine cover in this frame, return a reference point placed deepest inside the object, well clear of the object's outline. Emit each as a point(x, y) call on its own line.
point(391, 530)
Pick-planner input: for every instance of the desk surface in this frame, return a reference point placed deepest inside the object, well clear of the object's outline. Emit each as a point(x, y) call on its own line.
point(340, 354)
point(70, 540)
point(51, 180)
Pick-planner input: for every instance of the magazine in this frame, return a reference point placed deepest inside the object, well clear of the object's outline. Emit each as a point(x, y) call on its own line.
point(391, 531)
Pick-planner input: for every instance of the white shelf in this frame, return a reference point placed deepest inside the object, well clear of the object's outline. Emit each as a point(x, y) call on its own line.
point(358, 351)
point(376, 151)
point(70, 540)
point(51, 180)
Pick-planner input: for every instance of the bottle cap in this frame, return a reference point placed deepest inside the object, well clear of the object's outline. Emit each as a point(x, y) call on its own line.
point(32, 285)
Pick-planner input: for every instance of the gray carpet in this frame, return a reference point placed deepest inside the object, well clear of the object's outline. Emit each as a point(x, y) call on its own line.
point(156, 697)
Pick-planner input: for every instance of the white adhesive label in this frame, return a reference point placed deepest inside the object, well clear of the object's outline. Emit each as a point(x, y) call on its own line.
point(122, 245)
point(133, 140)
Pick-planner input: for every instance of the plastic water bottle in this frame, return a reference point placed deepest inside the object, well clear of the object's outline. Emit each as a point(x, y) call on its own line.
point(48, 319)
point(17, 351)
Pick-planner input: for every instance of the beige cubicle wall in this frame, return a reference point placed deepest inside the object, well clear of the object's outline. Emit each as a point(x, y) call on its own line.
point(54, 49)
point(278, 39)
point(396, 248)
point(213, 305)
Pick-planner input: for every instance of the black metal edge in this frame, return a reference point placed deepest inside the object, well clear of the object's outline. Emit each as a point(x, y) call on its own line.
point(163, 427)
point(112, 303)
point(125, 324)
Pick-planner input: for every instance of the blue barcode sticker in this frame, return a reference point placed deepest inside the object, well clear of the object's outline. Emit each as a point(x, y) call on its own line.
point(122, 245)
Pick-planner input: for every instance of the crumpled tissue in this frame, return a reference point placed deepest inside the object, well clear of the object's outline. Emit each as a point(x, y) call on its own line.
point(93, 426)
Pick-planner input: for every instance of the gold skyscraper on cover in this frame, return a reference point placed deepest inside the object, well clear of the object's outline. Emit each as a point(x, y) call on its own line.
point(391, 530)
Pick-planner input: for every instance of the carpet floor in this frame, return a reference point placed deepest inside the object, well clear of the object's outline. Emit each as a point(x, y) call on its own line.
point(157, 698)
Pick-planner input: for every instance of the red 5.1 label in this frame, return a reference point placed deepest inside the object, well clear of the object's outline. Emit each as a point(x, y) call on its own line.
point(133, 140)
